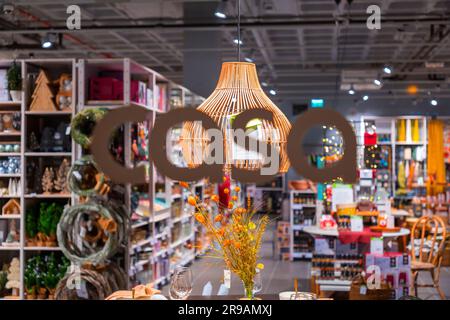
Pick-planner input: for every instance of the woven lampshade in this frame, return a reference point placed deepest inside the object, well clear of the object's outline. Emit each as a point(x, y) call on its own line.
point(237, 90)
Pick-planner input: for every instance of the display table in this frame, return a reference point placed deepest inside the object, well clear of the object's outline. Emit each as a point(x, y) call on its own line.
point(317, 231)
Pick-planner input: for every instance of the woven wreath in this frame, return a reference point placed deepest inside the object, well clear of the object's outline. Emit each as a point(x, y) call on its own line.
point(90, 233)
point(80, 171)
point(83, 284)
point(83, 125)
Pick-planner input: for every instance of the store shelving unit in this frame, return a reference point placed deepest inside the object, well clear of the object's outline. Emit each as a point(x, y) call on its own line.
point(303, 211)
point(30, 123)
point(162, 235)
point(387, 129)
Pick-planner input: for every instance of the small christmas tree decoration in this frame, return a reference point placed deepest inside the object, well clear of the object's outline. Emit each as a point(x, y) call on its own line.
point(60, 183)
point(47, 180)
point(42, 98)
point(33, 144)
point(14, 277)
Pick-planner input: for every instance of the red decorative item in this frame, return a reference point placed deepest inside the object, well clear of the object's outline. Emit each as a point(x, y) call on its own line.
point(370, 138)
point(327, 222)
point(105, 88)
point(224, 197)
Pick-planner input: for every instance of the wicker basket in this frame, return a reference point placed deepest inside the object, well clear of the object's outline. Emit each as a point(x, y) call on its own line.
point(384, 293)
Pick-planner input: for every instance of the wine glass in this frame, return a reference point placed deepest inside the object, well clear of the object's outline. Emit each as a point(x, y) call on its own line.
point(181, 284)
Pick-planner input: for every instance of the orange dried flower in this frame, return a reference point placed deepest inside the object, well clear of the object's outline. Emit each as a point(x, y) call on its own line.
point(230, 205)
point(237, 245)
point(184, 184)
point(221, 232)
point(215, 198)
point(192, 201)
point(218, 218)
point(226, 243)
point(200, 218)
point(224, 179)
point(234, 198)
point(237, 189)
point(226, 191)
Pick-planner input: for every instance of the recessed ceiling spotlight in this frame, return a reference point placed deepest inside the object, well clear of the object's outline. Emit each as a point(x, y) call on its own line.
point(220, 10)
point(366, 97)
point(264, 84)
point(377, 82)
point(434, 102)
point(237, 41)
point(387, 69)
point(351, 92)
point(248, 59)
point(273, 92)
point(49, 40)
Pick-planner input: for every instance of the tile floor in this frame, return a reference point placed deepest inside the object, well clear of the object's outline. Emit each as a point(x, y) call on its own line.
point(278, 275)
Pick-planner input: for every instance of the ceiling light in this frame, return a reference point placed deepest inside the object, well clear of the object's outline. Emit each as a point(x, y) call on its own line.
point(49, 40)
point(366, 97)
point(264, 84)
point(351, 92)
point(237, 41)
point(377, 82)
point(220, 11)
point(273, 92)
point(434, 102)
point(248, 59)
point(387, 69)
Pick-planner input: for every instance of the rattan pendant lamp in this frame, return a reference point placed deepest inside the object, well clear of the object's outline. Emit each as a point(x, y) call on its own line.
point(237, 90)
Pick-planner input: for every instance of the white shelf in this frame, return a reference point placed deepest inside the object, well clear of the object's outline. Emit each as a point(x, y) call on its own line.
point(2, 248)
point(306, 255)
point(180, 241)
point(10, 216)
point(10, 197)
point(48, 196)
point(48, 154)
point(303, 192)
point(48, 113)
point(141, 244)
point(10, 103)
point(10, 175)
point(183, 217)
point(42, 248)
point(10, 154)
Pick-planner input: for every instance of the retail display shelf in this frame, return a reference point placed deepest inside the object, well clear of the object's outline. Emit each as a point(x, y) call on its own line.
point(42, 249)
point(180, 241)
point(10, 175)
point(10, 103)
point(141, 244)
point(303, 191)
point(48, 113)
point(9, 197)
point(161, 215)
point(161, 252)
point(161, 235)
point(48, 154)
point(10, 154)
point(305, 255)
point(299, 206)
point(140, 223)
point(183, 218)
point(48, 196)
point(2, 248)
point(10, 216)
point(11, 133)
point(141, 263)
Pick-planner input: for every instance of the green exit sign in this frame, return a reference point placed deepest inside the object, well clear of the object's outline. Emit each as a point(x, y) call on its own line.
point(317, 103)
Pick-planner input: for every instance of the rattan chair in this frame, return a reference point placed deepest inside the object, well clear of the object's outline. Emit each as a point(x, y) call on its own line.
point(427, 246)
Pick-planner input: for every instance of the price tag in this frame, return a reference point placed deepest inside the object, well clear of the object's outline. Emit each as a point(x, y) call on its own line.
point(82, 291)
point(376, 246)
point(227, 278)
point(67, 130)
point(356, 224)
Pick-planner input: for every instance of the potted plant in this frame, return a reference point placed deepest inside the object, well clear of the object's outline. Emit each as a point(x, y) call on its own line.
point(31, 227)
point(15, 82)
point(51, 277)
point(30, 282)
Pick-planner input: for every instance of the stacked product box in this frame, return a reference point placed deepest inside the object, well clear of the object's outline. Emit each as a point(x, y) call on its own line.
point(395, 269)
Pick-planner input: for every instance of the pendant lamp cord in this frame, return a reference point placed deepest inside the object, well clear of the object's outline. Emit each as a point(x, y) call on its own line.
point(239, 30)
